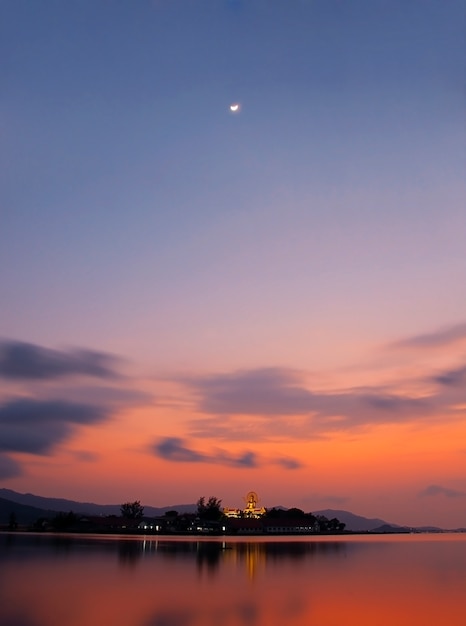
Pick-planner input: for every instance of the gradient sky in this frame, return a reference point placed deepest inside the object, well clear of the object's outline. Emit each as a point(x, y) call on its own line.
point(196, 302)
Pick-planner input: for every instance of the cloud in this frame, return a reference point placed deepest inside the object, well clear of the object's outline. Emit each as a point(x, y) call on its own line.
point(176, 450)
point(452, 378)
point(173, 449)
point(288, 463)
point(104, 395)
point(267, 403)
point(246, 459)
point(37, 426)
point(26, 361)
point(86, 456)
point(272, 391)
point(437, 490)
point(437, 339)
point(9, 468)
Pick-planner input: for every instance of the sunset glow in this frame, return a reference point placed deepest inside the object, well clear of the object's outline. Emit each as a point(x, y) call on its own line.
point(195, 303)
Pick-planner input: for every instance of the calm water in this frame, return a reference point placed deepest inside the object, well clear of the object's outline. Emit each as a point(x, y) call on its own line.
point(412, 580)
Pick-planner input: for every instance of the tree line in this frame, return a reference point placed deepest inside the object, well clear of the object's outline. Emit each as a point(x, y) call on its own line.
point(211, 510)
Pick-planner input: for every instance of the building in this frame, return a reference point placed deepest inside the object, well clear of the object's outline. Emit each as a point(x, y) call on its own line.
point(251, 510)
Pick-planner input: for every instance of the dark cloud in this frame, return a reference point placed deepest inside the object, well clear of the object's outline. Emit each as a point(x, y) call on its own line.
point(26, 361)
point(37, 426)
point(287, 463)
point(176, 450)
point(452, 378)
point(396, 404)
point(437, 490)
point(173, 449)
point(247, 459)
point(9, 468)
point(437, 339)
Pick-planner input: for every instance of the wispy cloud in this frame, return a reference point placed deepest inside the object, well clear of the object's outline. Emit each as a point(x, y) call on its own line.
point(437, 490)
point(271, 391)
point(36, 426)
point(27, 361)
point(452, 378)
point(268, 403)
point(86, 456)
point(288, 463)
point(176, 449)
point(437, 339)
point(115, 397)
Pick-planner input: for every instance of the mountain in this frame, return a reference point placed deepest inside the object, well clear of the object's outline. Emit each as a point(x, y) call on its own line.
point(24, 514)
point(29, 507)
point(388, 528)
point(355, 522)
point(61, 505)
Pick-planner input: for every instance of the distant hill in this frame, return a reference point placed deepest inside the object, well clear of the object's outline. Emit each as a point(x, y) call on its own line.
point(355, 522)
point(25, 515)
point(388, 528)
point(61, 505)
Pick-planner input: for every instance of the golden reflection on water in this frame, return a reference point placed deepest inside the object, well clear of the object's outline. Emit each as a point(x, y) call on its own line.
point(414, 580)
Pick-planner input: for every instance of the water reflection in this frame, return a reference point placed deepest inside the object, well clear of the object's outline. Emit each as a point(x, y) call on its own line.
point(56, 580)
point(206, 553)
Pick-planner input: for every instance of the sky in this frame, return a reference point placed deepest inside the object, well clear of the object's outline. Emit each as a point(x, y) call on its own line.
point(200, 302)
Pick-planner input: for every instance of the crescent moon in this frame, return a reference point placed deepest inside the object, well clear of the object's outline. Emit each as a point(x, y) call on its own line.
point(234, 108)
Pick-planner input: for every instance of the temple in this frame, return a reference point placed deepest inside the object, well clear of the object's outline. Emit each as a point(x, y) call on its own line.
point(251, 509)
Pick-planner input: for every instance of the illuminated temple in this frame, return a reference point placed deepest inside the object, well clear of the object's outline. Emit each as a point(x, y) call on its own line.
point(251, 509)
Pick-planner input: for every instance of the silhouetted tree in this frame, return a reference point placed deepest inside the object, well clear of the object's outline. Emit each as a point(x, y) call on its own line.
point(294, 512)
point(64, 521)
point(41, 523)
point(330, 525)
point(132, 510)
point(335, 524)
point(285, 513)
point(274, 513)
point(13, 522)
point(210, 510)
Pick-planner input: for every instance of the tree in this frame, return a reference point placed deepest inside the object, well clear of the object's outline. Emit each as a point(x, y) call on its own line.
point(294, 512)
point(335, 525)
point(132, 510)
point(64, 521)
point(13, 522)
point(332, 525)
point(212, 510)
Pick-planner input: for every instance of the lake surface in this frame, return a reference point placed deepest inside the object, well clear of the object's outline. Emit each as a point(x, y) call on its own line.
point(79, 580)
